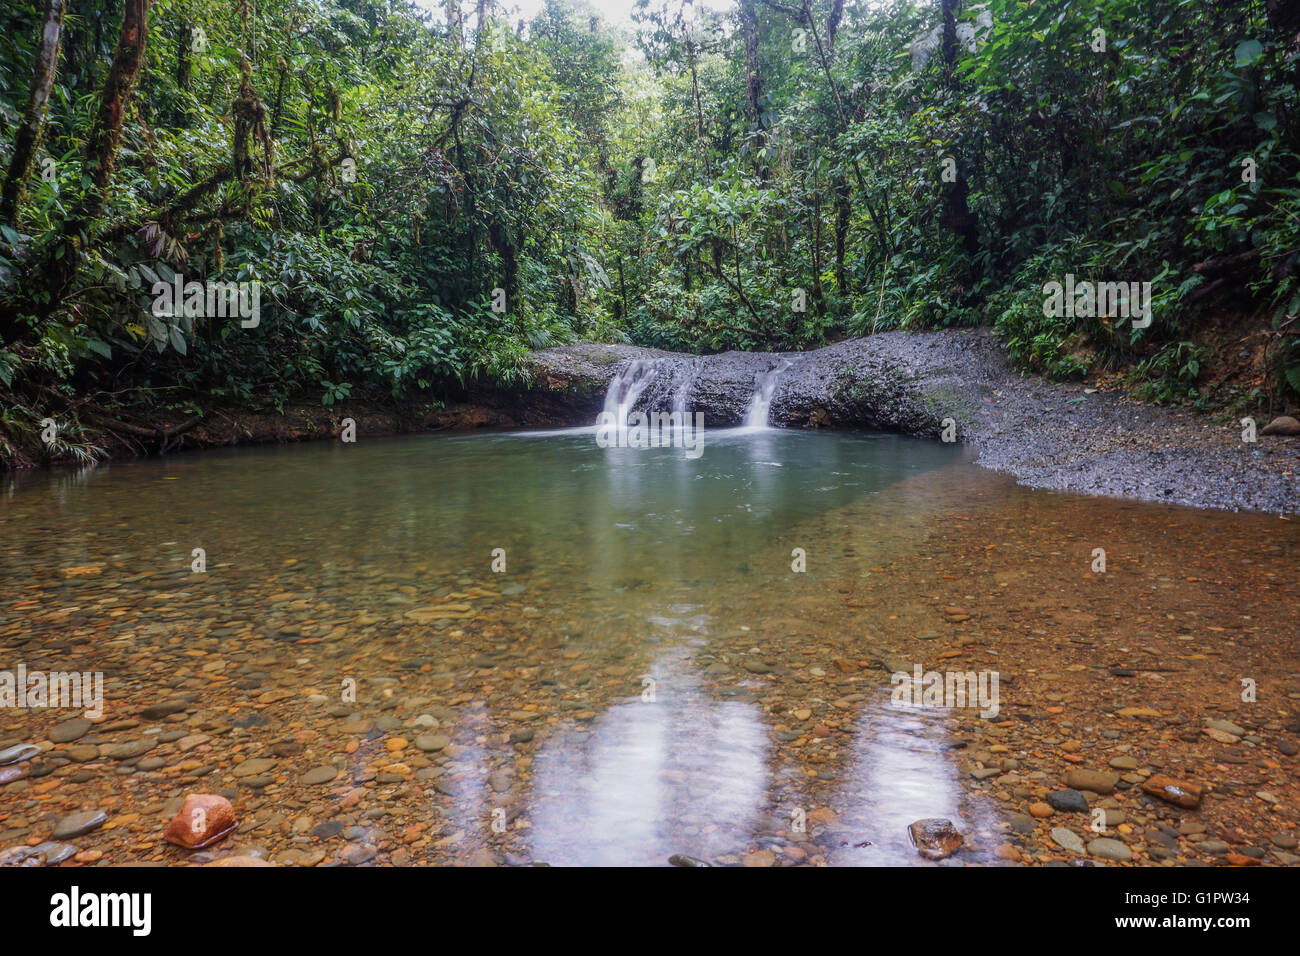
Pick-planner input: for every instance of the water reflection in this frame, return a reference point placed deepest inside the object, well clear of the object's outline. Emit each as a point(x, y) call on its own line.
point(899, 774)
point(682, 774)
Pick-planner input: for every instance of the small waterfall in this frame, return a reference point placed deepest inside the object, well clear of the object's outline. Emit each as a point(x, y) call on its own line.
point(627, 387)
point(683, 394)
point(761, 401)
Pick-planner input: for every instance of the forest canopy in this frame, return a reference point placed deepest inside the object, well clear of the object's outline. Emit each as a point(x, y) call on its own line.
point(418, 198)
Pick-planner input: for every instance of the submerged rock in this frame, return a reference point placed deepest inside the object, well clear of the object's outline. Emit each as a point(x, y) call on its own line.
point(18, 754)
point(1179, 792)
point(935, 838)
point(1067, 839)
point(1093, 780)
point(239, 861)
point(75, 824)
point(1110, 849)
point(202, 820)
point(1068, 801)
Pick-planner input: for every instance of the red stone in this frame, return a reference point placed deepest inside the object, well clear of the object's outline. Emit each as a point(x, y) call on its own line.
point(1178, 792)
point(203, 819)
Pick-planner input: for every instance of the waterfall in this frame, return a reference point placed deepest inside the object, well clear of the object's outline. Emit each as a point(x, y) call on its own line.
point(627, 386)
point(660, 384)
point(761, 401)
point(683, 394)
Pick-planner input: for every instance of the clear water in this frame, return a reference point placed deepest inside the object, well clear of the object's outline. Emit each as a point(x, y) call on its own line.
point(640, 587)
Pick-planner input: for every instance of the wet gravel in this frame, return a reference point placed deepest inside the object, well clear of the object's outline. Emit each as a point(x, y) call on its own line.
point(1066, 437)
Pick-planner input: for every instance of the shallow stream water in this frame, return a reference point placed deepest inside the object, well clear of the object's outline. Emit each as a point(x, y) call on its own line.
point(566, 653)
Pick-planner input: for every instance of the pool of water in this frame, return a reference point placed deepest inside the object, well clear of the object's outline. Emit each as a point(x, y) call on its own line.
point(525, 647)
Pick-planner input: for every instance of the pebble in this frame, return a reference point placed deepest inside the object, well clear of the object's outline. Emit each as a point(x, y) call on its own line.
point(132, 748)
point(18, 754)
point(1172, 790)
point(1109, 849)
point(55, 853)
point(1093, 780)
point(251, 768)
point(1068, 801)
point(70, 730)
point(356, 854)
point(1067, 839)
point(935, 838)
point(75, 824)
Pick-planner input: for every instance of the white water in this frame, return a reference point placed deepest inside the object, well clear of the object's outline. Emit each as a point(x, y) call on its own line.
point(627, 387)
point(683, 393)
point(761, 402)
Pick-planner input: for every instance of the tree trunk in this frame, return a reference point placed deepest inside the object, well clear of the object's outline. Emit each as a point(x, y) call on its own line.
point(842, 218)
point(56, 269)
point(106, 135)
point(29, 133)
point(833, 22)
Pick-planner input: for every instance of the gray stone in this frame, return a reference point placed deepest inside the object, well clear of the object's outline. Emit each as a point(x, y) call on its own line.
point(75, 824)
point(1227, 726)
point(1067, 801)
point(251, 768)
point(18, 754)
point(1108, 849)
point(132, 748)
point(55, 853)
point(319, 775)
point(70, 730)
point(1067, 839)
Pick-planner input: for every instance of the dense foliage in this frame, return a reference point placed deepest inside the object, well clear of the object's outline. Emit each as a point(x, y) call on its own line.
point(423, 197)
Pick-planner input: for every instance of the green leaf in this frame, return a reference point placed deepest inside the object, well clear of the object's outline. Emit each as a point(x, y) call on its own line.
point(177, 339)
point(1248, 51)
point(96, 345)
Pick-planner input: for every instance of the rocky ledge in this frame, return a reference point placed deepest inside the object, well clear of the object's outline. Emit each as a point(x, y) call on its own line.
point(1066, 437)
